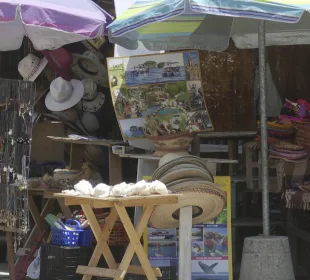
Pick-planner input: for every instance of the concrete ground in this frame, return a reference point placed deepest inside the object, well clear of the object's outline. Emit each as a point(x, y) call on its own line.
point(4, 274)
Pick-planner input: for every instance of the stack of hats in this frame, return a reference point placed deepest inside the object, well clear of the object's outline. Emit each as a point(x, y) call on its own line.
point(189, 176)
point(281, 129)
point(288, 152)
point(295, 111)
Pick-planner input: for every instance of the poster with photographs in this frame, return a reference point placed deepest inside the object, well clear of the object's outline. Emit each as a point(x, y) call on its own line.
point(141, 84)
point(211, 244)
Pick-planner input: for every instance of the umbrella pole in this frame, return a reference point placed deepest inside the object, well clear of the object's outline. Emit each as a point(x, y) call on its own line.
point(263, 120)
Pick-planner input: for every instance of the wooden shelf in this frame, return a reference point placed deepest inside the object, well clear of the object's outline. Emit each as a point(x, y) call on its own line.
point(98, 142)
point(242, 135)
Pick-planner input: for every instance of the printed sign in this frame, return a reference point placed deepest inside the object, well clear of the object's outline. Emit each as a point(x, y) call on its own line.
point(141, 84)
point(211, 244)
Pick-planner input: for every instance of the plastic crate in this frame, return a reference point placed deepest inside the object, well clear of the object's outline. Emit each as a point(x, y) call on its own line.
point(77, 237)
point(60, 263)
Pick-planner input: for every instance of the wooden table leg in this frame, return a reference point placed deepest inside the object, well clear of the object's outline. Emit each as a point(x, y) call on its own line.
point(10, 253)
point(134, 237)
point(64, 209)
point(102, 237)
point(115, 168)
point(48, 207)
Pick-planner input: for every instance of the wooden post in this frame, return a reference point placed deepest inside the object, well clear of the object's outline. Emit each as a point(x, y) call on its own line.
point(115, 168)
point(185, 243)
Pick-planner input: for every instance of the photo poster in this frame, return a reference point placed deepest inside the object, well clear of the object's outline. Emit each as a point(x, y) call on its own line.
point(211, 243)
point(141, 84)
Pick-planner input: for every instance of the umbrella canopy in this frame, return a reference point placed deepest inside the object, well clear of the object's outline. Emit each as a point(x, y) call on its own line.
point(209, 24)
point(50, 24)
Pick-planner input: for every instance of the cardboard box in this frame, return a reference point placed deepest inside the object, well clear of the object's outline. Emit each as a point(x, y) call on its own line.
point(44, 149)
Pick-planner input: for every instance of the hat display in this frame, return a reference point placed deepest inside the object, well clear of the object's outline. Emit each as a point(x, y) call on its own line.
point(90, 122)
point(187, 175)
point(288, 152)
point(60, 60)
point(68, 115)
point(64, 94)
point(93, 105)
point(172, 162)
point(30, 67)
point(90, 89)
point(88, 66)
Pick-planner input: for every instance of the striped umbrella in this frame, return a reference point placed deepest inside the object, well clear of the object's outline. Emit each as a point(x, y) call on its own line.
point(209, 24)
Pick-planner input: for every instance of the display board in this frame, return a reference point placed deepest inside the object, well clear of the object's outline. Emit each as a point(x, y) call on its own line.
point(211, 243)
point(141, 84)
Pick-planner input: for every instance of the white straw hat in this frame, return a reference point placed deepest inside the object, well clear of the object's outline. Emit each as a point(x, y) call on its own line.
point(30, 67)
point(63, 94)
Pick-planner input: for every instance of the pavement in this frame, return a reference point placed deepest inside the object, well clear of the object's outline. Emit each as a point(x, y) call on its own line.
point(4, 274)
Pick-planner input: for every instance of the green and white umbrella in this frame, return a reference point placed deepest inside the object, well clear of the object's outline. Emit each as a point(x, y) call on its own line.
point(209, 24)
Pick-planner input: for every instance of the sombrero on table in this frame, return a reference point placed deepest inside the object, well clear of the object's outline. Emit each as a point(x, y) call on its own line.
point(206, 198)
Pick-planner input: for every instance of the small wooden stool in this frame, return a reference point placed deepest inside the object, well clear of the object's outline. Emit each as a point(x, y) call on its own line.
point(118, 209)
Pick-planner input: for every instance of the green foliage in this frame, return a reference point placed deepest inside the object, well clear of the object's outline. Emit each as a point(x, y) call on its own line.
point(161, 64)
point(150, 64)
point(222, 218)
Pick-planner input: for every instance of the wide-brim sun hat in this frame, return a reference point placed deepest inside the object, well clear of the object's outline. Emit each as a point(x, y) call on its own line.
point(185, 173)
point(184, 162)
point(64, 94)
point(206, 199)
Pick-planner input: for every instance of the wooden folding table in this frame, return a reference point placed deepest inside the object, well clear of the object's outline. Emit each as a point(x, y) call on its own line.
point(118, 209)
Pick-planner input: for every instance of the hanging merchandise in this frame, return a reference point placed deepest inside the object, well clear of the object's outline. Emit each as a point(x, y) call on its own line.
point(63, 94)
point(15, 132)
point(89, 66)
point(60, 60)
point(90, 122)
point(30, 67)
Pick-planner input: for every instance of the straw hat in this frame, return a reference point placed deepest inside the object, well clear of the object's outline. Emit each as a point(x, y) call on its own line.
point(191, 171)
point(90, 89)
point(207, 200)
point(30, 67)
point(93, 105)
point(88, 66)
point(90, 122)
point(190, 163)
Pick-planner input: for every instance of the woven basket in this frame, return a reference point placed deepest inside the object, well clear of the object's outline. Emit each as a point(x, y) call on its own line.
point(177, 143)
point(118, 235)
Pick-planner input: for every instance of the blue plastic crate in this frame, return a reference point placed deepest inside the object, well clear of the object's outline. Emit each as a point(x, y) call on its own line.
point(71, 238)
point(86, 238)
